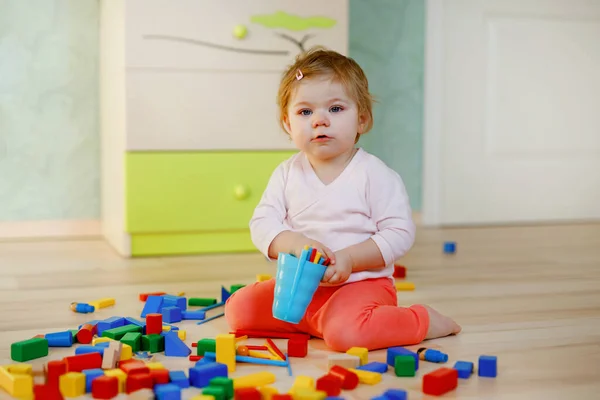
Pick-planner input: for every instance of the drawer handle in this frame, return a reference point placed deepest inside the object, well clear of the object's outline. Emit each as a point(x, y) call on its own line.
point(241, 192)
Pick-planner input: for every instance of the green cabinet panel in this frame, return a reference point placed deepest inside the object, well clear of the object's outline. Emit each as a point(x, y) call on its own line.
point(184, 192)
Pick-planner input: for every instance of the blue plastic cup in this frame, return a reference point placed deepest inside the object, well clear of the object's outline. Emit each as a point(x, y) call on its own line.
point(295, 285)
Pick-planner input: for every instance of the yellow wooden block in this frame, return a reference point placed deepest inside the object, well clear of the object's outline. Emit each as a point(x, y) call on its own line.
point(126, 352)
point(254, 380)
point(155, 365)
point(267, 392)
point(368, 377)
point(405, 286)
point(203, 397)
point(102, 303)
point(26, 369)
point(263, 277)
point(360, 352)
point(72, 384)
point(120, 374)
point(225, 343)
point(182, 334)
point(180, 294)
point(97, 340)
point(343, 360)
point(309, 394)
point(166, 328)
point(302, 382)
point(17, 385)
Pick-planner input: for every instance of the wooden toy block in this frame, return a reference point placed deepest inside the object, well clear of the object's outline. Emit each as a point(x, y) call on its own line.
point(175, 301)
point(137, 381)
point(193, 315)
point(330, 384)
point(25, 369)
point(302, 382)
point(235, 288)
point(59, 339)
point(449, 247)
point(90, 349)
point(153, 305)
point(16, 384)
point(109, 323)
point(432, 355)
point(175, 347)
point(254, 380)
point(263, 277)
point(404, 286)
point(85, 334)
point(395, 394)
point(72, 384)
point(166, 391)
point(154, 324)
point(170, 315)
point(133, 321)
point(134, 367)
point(29, 349)
point(309, 394)
point(367, 377)
point(399, 271)
point(464, 369)
point(97, 340)
point(202, 397)
point(360, 352)
point(343, 360)
point(126, 352)
point(120, 375)
point(226, 350)
point(374, 366)
point(133, 339)
point(282, 396)
point(80, 362)
point(180, 379)
point(488, 366)
point(160, 376)
point(182, 334)
point(201, 302)
point(144, 296)
point(90, 375)
point(249, 393)
point(392, 352)
point(225, 383)
point(46, 392)
point(404, 365)
point(267, 392)
point(119, 332)
point(153, 343)
point(217, 392)
point(155, 365)
point(200, 375)
point(204, 345)
point(102, 303)
point(349, 378)
point(440, 381)
point(195, 358)
point(55, 369)
point(74, 333)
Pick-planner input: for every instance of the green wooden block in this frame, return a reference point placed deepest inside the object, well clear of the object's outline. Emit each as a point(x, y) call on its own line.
point(134, 339)
point(224, 383)
point(118, 333)
point(153, 343)
point(217, 392)
point(74, 333)
point(205, 345)
point(234, 288)
point(404, 365)
point(196, 301)
point(29, 349)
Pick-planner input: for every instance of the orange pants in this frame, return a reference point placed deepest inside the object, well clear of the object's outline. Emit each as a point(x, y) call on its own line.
point(361, 314)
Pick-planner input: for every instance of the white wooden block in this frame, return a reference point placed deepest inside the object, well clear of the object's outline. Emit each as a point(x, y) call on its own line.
point(343, 360)
point(112, 354)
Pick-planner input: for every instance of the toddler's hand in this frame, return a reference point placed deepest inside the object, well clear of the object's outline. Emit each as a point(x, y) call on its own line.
point(340, 272)
point(320, 247)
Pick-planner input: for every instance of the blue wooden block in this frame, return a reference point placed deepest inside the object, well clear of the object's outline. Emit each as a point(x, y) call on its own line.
point(153, 305)
point(171, 314)
point(89, 349)
point(90, 375)
point(175, 347)
point(59, 339)
point(395, 394)
point(200, 375)
point(450, 247)
point(175, 301)
point(464, 368)
point(224, 294)
point(110, 323)
point(374, 366)
point(137, 322)
point(167, 391)
point(198, 315)
point(488, 366)
point(179, 378)
point(393, 352)
point(102, 344)
point(380, 397)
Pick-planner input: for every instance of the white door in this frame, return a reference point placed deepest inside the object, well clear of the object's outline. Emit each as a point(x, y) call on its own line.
point(512, 113)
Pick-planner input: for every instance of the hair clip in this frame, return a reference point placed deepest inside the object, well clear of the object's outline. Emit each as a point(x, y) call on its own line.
point(299, 75)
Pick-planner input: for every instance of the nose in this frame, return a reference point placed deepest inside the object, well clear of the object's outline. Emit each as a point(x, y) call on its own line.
point(320, 119)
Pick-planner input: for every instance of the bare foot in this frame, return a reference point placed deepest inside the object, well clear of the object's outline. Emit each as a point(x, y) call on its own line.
point(440, 325)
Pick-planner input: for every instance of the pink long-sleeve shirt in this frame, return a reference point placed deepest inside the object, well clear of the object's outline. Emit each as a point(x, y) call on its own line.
point(367, 200)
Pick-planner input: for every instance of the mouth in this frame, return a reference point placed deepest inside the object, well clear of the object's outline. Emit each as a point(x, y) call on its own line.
point(321, 137)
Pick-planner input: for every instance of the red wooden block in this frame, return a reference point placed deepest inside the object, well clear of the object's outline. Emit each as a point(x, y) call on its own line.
point(54, 370)
point(440, 381)
point(349, 378)
point(85, 334)
point(248, 393)
point(46, 392)
point(138, 381)
point(195, 358)
point(134, 367)
point(160, 376)
point(330, 384)
point(297, 348)
point(154, 324)
point(399, 271)
point(195, 344)
point(105, 387)
point(282, 397)
point(83, 361)
point(144, 296)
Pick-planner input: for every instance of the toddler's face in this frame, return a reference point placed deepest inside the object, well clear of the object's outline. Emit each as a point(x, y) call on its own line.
point(322, 119)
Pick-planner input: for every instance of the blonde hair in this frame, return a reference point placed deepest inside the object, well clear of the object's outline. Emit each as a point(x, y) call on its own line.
point(317, 62)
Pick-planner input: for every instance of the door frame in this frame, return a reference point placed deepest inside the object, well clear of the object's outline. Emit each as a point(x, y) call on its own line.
point(433, 109)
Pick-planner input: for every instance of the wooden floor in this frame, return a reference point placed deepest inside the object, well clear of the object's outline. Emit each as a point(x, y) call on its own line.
point(529, 295)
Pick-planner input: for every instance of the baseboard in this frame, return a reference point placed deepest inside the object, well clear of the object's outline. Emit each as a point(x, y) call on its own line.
point(49, 229)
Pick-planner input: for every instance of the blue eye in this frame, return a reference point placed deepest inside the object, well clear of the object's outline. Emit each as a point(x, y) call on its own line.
point(305, 112)
point(336, 109)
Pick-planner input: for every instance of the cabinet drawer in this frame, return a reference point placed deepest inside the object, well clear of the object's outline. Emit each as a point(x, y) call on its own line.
point(195, 192)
